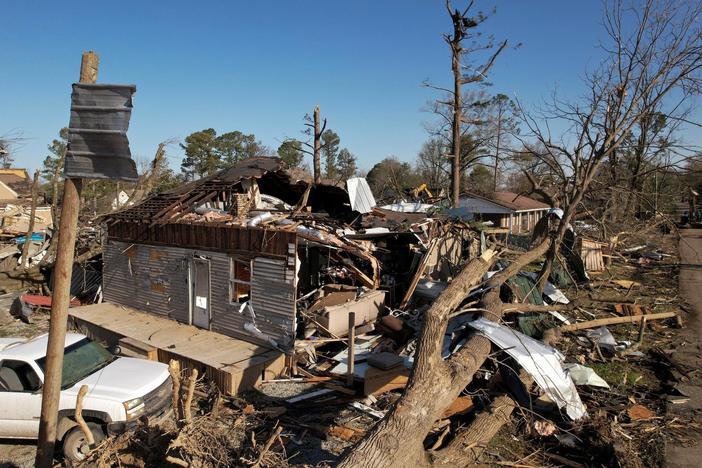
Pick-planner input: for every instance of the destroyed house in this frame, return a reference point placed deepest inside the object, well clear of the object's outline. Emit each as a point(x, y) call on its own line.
point(252, 254)
point(17, 181)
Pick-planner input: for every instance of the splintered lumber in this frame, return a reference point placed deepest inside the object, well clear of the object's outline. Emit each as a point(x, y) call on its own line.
point(418, 275)
point(352, 341)
point(617, 320)
point(379, 381)
point(462, 404)
point(346, 432)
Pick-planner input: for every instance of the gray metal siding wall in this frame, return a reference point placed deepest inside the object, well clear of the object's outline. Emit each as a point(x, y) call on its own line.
point(273, 302)
point(273, 289)
point(273, 299)
point(148, 278)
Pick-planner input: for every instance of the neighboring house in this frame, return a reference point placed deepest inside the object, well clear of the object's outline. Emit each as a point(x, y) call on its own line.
point(510, 210)
point(17, 179)
point(14, 219)
point(6, 193)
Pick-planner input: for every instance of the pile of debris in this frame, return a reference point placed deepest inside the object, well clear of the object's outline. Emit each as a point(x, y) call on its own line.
point(14, 226)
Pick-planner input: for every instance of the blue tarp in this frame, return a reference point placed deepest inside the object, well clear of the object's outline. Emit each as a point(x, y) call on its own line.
point(36, 237)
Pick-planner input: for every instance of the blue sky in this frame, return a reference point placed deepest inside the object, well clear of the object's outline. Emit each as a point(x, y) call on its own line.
point(260, 66)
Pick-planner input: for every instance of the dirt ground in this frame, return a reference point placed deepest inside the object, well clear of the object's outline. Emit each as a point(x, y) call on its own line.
point(688, 353)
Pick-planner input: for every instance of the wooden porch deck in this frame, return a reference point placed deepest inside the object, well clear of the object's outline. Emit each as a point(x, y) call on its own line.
point(234, 365)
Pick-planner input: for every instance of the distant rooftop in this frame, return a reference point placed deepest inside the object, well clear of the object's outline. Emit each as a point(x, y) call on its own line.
point(511, 200)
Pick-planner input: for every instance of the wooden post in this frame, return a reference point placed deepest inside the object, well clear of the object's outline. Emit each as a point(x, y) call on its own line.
point(24, 259)
point(352, 343)
point(317, 148)
point(63, 268)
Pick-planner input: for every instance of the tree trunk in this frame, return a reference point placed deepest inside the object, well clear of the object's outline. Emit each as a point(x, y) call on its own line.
point(466, 448)
point(398, 439)
point(497, 149)
point(568, 212)
point(317, 148)
point(457, 118)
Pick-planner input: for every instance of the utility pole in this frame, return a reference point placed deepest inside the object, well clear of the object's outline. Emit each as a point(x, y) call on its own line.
point(317, 147)
point(63, 268)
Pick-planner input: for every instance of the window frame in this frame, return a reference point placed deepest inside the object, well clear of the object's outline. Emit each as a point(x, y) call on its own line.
point(234, 280)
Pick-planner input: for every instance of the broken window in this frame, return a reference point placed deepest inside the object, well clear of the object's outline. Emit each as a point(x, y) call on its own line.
point(239, 280)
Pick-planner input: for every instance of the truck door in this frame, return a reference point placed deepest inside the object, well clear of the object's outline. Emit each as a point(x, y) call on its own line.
point(201, 293)
point(20, 400)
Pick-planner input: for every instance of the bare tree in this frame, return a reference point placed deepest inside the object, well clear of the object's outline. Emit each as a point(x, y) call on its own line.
point(464, 29)
point(653, 61)
point(8, 142)
point(316, 128)
point(431, 164)
point(435, 157)
point(499, 122)
point(663, 52)
point(148, 178)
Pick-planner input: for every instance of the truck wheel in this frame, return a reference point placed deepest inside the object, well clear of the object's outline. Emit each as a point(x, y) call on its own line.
point(75, 447)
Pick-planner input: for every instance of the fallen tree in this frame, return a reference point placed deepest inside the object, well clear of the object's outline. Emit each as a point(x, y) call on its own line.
point(398, 440)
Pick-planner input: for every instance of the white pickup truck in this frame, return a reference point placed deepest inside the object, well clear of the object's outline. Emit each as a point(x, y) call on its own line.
point(121, 391)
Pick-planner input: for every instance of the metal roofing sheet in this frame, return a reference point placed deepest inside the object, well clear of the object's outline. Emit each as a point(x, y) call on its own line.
point(360, 195)
point(98, 147)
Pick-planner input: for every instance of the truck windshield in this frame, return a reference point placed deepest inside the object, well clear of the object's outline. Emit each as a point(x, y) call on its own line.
point(80, 360)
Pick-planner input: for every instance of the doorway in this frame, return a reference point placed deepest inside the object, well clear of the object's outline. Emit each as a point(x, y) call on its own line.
point(201, 293)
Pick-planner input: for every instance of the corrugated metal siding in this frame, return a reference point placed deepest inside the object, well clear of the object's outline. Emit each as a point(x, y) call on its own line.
point(273, 288)
point(97, 132)
point(273, 299)
point(147, 278)
point(216, 238)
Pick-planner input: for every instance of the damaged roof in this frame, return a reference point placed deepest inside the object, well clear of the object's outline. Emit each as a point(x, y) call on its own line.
point(245, 169)
point(272, 180)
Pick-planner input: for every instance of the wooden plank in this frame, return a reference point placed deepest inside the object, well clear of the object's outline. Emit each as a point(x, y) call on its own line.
point(234, 365)
point(139, 348)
